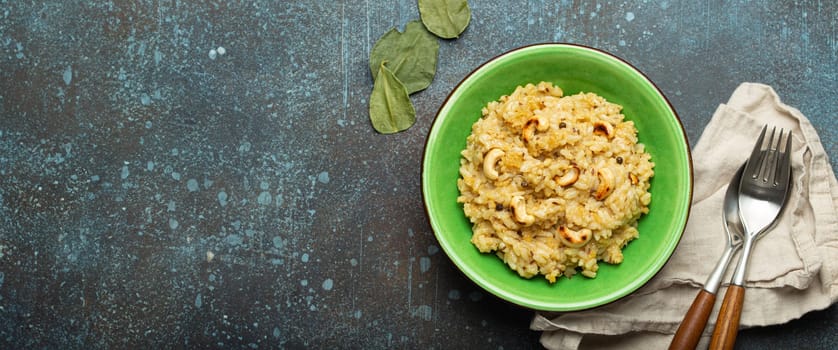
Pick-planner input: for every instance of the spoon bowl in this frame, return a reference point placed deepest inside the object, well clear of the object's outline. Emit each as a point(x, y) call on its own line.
point(734, 230)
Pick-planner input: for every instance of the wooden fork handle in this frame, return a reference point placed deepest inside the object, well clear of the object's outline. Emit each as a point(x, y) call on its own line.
point(727, 325)
point(689, 332)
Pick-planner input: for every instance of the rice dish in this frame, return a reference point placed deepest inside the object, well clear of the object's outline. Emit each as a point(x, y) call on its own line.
point(553, 184)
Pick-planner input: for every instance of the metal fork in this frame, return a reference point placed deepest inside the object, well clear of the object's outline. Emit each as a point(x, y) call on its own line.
point(763, 192)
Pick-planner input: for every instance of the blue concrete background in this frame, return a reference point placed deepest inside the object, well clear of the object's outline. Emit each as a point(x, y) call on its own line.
point(156, 193)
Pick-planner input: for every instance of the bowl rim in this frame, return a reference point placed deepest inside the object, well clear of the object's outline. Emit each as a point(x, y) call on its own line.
point(688, 153)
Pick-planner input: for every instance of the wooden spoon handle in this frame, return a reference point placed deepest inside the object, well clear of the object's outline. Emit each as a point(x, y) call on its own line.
point(689, 332)
point(727, 325)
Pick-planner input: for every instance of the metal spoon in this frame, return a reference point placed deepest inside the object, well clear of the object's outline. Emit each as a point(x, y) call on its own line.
point(734, 230)
point(689, 332)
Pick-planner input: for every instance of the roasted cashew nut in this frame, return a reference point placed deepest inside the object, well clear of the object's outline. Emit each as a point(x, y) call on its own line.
point(606, 184)
point(489, 162)
point(535, 123)
point(633, 179)
point(603, 128)
point(520, 210)
point(569, 177)
point(574, 239)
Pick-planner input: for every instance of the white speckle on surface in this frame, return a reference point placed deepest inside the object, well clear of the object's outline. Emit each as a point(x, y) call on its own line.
point(244, 147)
point(621, 43)
point(222, 198)
point(149, 166)
point(173, 224)
point(124, 174)
point(328, 284)
point(213, 54)
point(221, 50)
point(424, 264)
point(454, 294)
point(304, 258)
point(629, 16)
point(68, 75)
point(323, 177)
point(176, 175)
point(210, 256)
point(304, 283)
point(192, 185)
point(145, 99)
point(264, 185)
point(424, 312)
point(358, 314)
point(277, 242)
point(353, 262)
point(198, 301)
point(276, 332)
point(264, 198)
point(432, 249)
point(172, 206)
point(233, 239)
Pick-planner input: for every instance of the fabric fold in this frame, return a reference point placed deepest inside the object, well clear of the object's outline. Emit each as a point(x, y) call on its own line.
point(793, 270)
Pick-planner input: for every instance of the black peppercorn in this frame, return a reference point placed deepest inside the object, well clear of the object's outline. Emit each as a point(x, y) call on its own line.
point(498, 207)
point(619, 160)
point(562, 125)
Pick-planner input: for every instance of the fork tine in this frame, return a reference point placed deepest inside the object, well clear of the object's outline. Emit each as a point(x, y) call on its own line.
point(784, 165)
point(773, 166)
point(754, 161)
point(788, 143)
point(765, 164)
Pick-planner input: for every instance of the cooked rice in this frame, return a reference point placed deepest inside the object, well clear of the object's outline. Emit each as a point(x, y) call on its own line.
point(540, 139)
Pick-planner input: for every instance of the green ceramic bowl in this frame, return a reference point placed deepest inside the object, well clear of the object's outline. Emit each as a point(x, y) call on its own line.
point(575, 69)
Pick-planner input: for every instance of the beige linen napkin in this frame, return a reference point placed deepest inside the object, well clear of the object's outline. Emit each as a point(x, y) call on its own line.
point(793, 269)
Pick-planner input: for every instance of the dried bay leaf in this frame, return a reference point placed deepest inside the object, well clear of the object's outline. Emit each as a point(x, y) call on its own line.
point(445, 18)
point(411, 56)
point(390, 108)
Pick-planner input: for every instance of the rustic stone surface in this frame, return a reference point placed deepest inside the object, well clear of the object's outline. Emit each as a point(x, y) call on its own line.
point(204, 174)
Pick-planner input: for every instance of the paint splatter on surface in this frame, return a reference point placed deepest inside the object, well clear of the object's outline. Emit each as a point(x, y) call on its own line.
point(148, 186)
point(328, 284)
